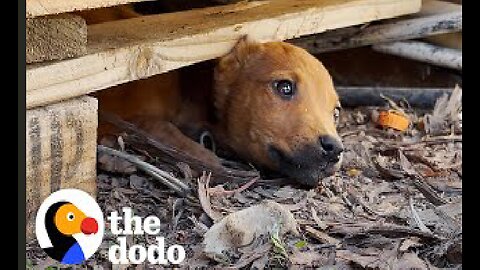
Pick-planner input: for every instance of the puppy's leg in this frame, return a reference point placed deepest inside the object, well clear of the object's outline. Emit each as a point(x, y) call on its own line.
point(167, 133)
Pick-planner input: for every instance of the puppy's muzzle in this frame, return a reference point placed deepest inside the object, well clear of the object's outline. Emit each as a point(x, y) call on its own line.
point(312, 162)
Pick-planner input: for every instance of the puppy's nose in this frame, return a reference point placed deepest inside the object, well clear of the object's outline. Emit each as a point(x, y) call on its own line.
point(332, 147)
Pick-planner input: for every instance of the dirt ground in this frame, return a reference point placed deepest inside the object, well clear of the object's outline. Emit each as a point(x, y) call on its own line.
point(396, 203)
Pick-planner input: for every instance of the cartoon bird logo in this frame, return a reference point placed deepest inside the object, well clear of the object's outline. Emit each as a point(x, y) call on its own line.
point(68, 234)
point(62, 221)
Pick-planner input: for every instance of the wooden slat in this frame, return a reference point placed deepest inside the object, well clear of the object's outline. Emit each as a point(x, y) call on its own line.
point(127, 50)
point(61, 145)
point(36, 8)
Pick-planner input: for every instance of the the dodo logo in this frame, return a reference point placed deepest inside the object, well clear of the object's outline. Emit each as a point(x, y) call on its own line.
point(69, 226)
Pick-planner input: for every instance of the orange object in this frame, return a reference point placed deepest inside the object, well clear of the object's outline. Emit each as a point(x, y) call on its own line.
point(393, 119)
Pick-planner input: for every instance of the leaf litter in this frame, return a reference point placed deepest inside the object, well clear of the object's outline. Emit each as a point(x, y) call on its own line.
point(396, 203)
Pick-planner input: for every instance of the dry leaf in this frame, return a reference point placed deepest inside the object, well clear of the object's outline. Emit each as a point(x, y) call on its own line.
point(204, 197)
point(446, 113)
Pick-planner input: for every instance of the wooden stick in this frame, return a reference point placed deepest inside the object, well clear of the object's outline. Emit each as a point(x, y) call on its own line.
point(417, 218)
point(427, 191)
point(166, 179)
point(354, 96)
point(322, 237)
point(418, 181)
point(433, 19)
point(390, 230)
point(424, 52)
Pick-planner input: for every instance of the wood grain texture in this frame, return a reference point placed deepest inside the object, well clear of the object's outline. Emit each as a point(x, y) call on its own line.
point(60, 151)
point(36, 8)
point(132, 49)
point(55, 38)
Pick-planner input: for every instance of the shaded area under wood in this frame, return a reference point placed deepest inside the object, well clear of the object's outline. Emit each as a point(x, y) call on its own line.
point(355, 96)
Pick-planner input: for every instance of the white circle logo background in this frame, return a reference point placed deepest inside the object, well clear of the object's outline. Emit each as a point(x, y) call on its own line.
point(84, 202)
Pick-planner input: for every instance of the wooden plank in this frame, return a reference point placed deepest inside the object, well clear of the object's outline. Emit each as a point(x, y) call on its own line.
point(132, 49)
point(36, 8)
point(55, 38)
point(435, 17)
point(60, 151)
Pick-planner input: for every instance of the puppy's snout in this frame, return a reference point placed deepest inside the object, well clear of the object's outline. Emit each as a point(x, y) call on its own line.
point(333, 147)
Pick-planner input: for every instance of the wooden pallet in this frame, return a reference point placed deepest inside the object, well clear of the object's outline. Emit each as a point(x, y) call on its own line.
point(62, 122)
point(127, 50)
point(60, 150)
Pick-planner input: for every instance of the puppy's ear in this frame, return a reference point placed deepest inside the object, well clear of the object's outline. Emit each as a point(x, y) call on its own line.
point(227, 70)
point(237, 56)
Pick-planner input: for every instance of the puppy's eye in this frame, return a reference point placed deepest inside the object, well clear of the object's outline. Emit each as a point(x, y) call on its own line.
point(285, 88)
point(336, 114)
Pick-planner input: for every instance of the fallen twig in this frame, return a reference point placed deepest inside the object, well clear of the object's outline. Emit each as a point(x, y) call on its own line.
point(393, 146)
point(427, 191)
point(390, 230)
point(388, 173)
point(417, 218)
point(358, 199)
point(322, 237)
point(220, 191)
point(170, 181)
point(317, 220)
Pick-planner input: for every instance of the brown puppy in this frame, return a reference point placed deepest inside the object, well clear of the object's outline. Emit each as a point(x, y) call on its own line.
point(277, 107)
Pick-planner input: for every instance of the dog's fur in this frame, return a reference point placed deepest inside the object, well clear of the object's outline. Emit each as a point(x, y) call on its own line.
point(290, 136)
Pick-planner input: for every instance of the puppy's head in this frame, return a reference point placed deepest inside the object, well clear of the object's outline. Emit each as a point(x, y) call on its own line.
point(279, 109)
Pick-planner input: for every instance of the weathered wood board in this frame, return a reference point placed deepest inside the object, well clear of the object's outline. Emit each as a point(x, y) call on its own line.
point(36, 8)
point(127, 50)
point(55, 38)
point(61, 142)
